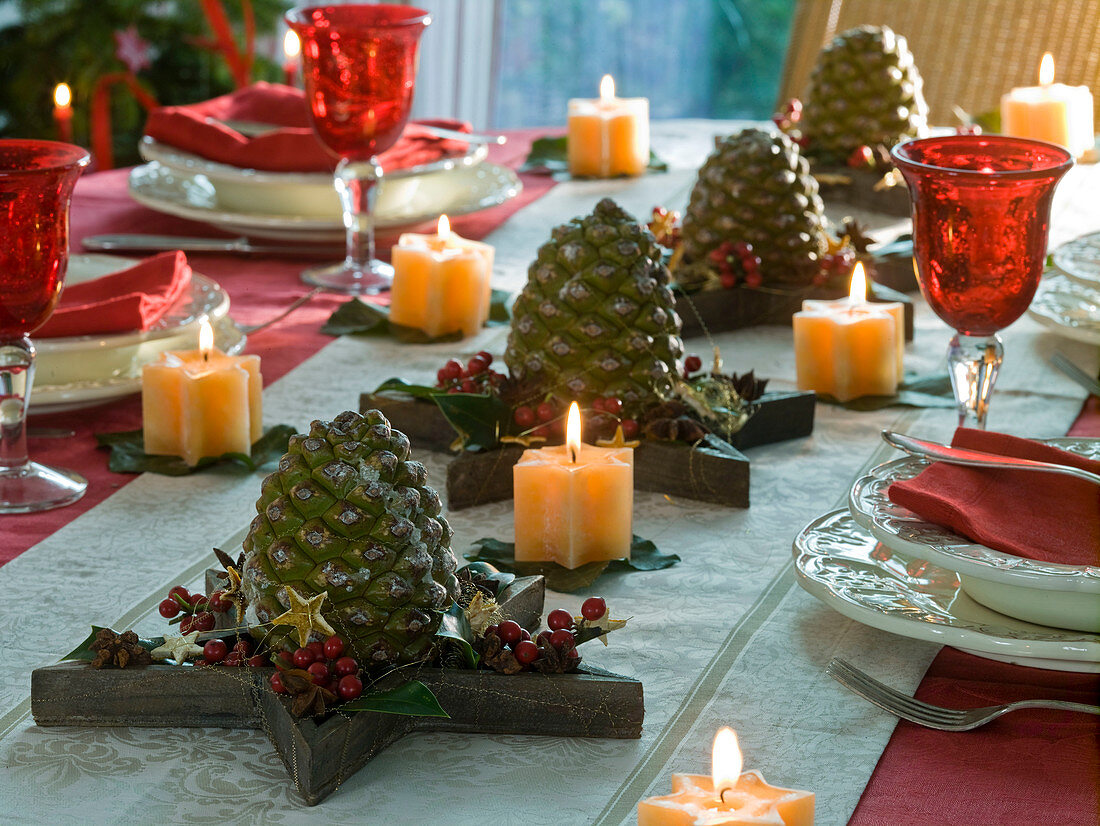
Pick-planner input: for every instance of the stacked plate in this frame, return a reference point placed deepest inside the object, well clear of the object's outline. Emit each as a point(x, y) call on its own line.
point(79, 371)
point(1068, 298)
point(884, 566)
point(304, 207)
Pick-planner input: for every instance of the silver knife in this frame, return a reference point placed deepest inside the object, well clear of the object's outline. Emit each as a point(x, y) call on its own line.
point(149, 243)
point(978, 458)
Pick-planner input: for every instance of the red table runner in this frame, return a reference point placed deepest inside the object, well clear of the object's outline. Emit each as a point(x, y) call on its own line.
point(258, 289)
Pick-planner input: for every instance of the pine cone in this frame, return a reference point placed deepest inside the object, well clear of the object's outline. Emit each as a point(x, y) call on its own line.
point(499, 658)
point(118, 650)
point(555, 661)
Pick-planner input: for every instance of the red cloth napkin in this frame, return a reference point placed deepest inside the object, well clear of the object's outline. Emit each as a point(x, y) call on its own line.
point(1044, 516)
point(124, 301)
point(291, 148)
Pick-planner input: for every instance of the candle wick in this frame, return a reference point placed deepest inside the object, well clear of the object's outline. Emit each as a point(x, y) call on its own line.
point(206, 355)
point(722, 794)
point(572, 454)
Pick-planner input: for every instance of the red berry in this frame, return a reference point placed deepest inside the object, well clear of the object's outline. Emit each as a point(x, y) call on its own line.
point(232, 660)
point(277, 683)
point(509, 631)
point(469, 386)
point(485, 356)
point(492, 629)
point(597, 404)
point(754, 279)
point(318, 649)
point(349, 687)
point(524, 416)
point(728, 280)
point(287, 657)
point(303, 658)
point(204, 621)
point(441, 377)
point(476, 366)
point(613, 405)
point(630, 428)
point(187, 625)
point(214, 651)
point(319, 672)
point(344, 666)
point(693, 363)
point(593, 608)
point(559, 618)
point(169, 608)
point(452, 369)
point(524, 634)
point(526, 652)
point(544, 635)
point(542, 430)
point(257, 661)
point(562, 639)
point(181, 592)
point(546, 412)
point(198, 602)
point(334, 648)
point(453, 390)
point(218, 604)
point(243, 647)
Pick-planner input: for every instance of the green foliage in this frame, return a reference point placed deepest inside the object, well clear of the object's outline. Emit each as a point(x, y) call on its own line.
point(73, 41)
point(128, 453)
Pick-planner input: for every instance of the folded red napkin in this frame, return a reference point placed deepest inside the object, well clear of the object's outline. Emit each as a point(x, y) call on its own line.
point(131, 299)
point(202, 129)
point(1045, 516)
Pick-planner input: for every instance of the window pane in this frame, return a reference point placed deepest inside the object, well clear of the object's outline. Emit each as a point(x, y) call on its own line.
point(691, 58)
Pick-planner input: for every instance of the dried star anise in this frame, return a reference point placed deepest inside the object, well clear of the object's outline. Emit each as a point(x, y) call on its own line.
point(672, 421)
point(748, 387)
point(499, 658)
point(227, 561)
point(857, 236)
point(310, 699)
point(119, 650)
point(554, 660)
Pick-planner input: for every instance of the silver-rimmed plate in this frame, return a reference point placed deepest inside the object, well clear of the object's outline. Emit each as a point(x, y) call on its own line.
point(1069, 308)
point(845, 567)
point(1080, 259)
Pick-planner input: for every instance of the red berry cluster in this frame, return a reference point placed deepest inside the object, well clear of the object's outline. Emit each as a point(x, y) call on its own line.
point(834, 264)
point(665, 226)
point(545, 415)
point(788, 121)
point(327, 664)
point(734, 257)
point(198, 609)
point(547, 420)
point(217, 652)
point(692, 365)
point(558, 634)
point(476, 376)
point(862, 156)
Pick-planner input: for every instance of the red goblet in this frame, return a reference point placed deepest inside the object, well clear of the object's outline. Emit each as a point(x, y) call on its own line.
point(981, 215)
point(36, 185)
point(359, 65)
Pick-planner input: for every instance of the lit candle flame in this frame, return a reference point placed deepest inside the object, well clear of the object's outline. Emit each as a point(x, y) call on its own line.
point(443, 228)
point(1046, 70)
point(291, 45)
point(62, 95)
point(607, 89)
point(725, 761)
point(573, 431)
point(206, 339)
point(858, 292)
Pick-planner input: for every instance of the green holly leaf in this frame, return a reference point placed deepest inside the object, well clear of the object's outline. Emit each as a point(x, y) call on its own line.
point(929, 391)
point(85, 653)
point(552, 155)
point(128, 453)
point(499, 313)
point(397, 385)
point(455, 627)
point(644, 556)
point(477, 418)
point(355, 317)
point(412, 699)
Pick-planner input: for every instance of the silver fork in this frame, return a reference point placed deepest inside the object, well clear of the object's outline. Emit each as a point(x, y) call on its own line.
point(930, 716)
point(249, 329)
point(1060, 362)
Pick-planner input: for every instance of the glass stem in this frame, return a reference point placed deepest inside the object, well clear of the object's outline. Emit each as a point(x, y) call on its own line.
point(16, 377)
point(973, 362)
point(357, 185)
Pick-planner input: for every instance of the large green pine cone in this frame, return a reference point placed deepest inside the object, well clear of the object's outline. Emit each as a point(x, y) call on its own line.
point(348, 513)
point(865, 90)
point(597, 317)
point(756, 188)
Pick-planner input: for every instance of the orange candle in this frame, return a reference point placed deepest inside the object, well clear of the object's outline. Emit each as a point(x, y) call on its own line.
point(441, 282)
point(198, 403)
point(574, 503)
point(609, 136)
point(849, 348)
point(727, 797)
point(63, 112)
point(1052, 112)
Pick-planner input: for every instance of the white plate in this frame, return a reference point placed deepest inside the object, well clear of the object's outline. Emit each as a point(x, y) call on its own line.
point(1049, 593)
point(1080, 259)
point(76, 371)
point(404, 202)
point(847, 569)
point(290, 193)
point(1069, 308)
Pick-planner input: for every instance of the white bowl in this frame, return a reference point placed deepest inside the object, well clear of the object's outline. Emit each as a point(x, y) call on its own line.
point(1065, 596)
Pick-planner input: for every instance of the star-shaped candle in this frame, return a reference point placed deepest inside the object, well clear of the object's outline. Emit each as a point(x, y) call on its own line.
point(727, 797)
point(305, 616)
point(177, 648)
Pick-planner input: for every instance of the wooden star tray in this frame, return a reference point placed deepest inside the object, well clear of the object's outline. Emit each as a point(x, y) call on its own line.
point(321, 754)
point(712, 471)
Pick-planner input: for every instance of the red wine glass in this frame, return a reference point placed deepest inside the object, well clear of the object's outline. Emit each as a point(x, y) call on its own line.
point(359, 65)
point(981, 215)
point(36, 185)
